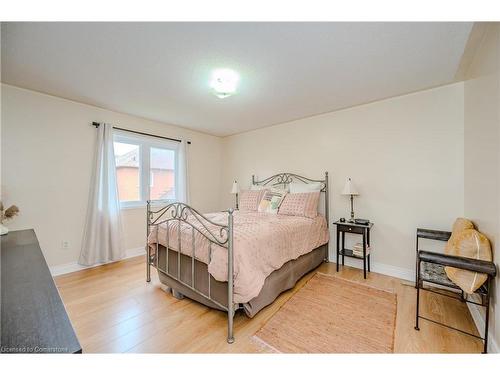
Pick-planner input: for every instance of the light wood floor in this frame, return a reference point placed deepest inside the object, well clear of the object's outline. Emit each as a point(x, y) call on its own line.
point(113, 309)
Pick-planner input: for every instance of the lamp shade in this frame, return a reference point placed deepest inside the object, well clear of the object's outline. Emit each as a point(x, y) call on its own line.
point(235, 189)
point(349, 188)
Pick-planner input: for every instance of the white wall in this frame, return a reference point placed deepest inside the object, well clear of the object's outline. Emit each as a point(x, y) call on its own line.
point(404, 154)
point(482, 149)
point(47, 156)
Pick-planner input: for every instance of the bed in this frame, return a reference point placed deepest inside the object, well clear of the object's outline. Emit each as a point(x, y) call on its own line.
point(234, 260)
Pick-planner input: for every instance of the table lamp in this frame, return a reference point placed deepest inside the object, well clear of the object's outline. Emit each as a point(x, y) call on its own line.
point(235, 190)
point(350, 189)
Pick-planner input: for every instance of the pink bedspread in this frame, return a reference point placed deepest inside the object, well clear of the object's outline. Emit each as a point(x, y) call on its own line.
point(262, 243)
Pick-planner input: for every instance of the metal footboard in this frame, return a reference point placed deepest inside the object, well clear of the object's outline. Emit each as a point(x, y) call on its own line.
point(218, 234)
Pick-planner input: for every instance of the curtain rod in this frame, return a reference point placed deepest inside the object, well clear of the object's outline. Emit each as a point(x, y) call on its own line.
point(97, 124)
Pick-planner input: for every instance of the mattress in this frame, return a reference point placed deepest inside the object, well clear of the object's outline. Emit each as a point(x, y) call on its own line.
point(263, 243)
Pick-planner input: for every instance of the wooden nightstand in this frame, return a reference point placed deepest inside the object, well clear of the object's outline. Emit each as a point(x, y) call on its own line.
point(364, 231)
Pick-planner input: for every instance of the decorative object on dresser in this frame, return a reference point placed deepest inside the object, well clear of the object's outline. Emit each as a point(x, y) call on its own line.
point(6, 215)
point(235, 190)
point(350, 189)
point(33, 317)
point(465, 269)
point(360, 250)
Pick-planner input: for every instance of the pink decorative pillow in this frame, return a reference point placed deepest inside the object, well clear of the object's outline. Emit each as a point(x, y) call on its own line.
point(300, 204)
point(250, 199)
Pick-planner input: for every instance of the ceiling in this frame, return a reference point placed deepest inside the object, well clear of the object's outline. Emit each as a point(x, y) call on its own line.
point(161, 71)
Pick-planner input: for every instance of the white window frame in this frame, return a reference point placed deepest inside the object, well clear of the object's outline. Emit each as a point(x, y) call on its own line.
point(145, 144)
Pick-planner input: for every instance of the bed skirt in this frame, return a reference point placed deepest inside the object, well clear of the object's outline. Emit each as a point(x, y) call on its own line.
point(277, 282)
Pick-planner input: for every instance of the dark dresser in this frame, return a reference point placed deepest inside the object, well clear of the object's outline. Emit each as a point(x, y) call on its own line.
point(34, 319)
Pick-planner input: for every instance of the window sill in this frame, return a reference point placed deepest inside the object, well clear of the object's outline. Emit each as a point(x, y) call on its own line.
point(134, 207)
point(142, 205)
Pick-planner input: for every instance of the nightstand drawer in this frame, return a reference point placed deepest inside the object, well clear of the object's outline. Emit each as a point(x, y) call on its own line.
point(351, 229)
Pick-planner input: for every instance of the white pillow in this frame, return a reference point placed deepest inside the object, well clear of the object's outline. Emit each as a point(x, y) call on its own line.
point(298, 187)
point(269, 187)
point(259, 187)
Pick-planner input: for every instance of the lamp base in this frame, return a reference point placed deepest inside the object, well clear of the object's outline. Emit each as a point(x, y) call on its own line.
point(351, 220)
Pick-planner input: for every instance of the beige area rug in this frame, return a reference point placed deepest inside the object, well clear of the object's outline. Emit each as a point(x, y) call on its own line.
point(333, 315)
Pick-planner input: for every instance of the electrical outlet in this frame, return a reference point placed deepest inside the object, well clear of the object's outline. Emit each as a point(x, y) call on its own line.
point(65, 245)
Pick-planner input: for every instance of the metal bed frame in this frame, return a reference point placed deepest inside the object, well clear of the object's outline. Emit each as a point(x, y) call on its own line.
point(215, 233)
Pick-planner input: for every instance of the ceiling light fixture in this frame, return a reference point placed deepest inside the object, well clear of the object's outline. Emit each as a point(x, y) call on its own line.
point(224, 82)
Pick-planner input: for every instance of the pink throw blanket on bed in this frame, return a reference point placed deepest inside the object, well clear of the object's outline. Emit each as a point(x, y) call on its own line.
point(263, 242)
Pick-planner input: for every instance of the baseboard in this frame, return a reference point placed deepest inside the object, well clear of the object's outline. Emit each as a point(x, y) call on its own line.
point(478, 318)
point(384, 269)
point(74, 266)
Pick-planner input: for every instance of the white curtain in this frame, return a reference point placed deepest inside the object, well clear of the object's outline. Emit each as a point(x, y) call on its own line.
point(183, 184)
point(102, 238)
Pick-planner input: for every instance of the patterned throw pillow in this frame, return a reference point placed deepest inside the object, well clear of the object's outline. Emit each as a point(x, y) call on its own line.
point(300, 204)
point(271, 201)
point(250, 199)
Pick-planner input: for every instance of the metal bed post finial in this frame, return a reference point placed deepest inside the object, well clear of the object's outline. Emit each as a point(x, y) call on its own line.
point(230, 259)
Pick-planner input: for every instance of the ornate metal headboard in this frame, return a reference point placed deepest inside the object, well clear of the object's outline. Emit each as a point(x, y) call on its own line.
point(284, 179)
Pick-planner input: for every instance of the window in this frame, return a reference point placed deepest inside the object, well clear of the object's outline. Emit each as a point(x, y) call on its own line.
point(127, 157)
point(146, 169)
point(162, 180)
